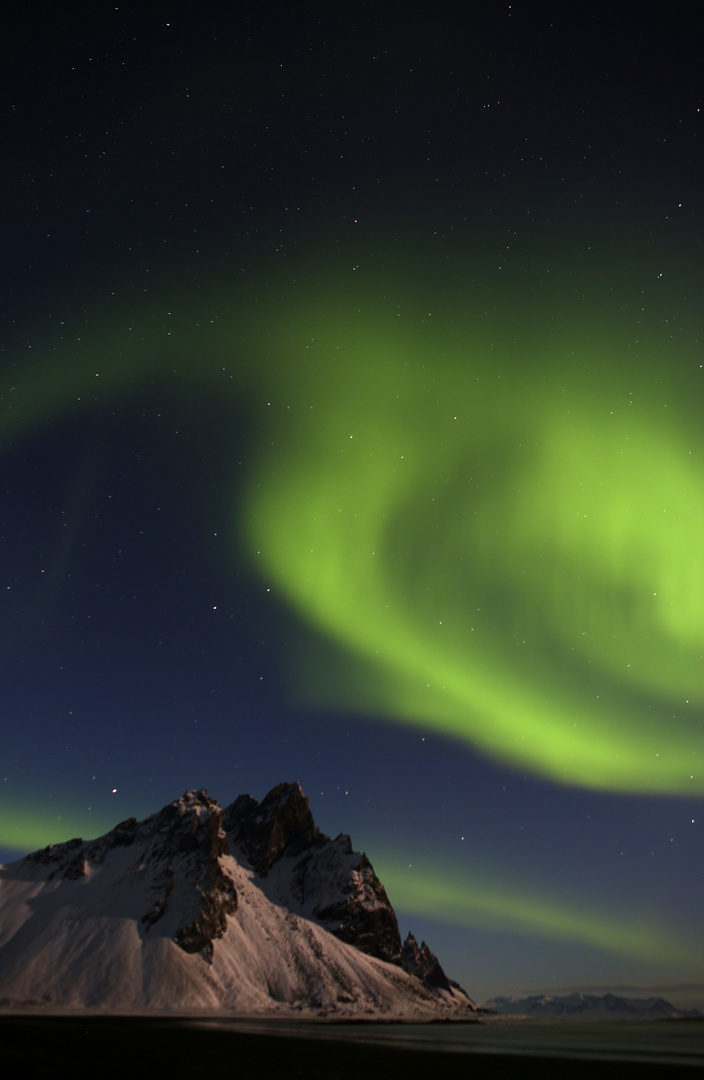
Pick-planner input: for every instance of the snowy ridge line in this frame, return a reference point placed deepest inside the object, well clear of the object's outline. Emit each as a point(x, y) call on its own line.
point(248, 910)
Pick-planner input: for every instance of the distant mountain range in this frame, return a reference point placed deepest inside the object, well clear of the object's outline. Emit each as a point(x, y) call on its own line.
point(248, 909)
point(588, 1007)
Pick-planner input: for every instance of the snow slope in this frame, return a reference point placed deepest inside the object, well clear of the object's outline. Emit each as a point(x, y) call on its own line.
point(169, 915)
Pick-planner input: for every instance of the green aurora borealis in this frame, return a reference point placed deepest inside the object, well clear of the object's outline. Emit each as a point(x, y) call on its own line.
point(480, 489)
point(492, 904)
point(503, 535)
point(510, 546)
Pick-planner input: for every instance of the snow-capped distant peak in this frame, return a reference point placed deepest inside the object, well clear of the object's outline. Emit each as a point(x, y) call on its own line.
point(579, 1006)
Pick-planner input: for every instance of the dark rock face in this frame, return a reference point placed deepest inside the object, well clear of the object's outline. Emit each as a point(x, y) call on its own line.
point(176, 850)
point(341, 890)
point(422, 963)
point(281, 824)
point(332, 882)
point(66, 859)
point(189, 833)
point(192, 826)
point(370, 927)
point(219, 899)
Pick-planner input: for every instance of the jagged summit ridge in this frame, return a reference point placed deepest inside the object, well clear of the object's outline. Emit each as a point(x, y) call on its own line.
point(326, 879)
point(282, 822)
point(248, 908)
point(180, 845)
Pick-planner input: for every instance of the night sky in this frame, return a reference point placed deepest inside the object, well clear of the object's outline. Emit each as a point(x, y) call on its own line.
point(351, 396)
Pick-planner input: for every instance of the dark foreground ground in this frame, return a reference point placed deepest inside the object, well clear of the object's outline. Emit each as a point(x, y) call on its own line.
point(129, 1047)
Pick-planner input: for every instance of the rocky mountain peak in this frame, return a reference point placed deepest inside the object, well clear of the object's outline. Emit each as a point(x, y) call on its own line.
point(332, 883)
point(257, 900)
point(280, 824)
point(424, 964)
point(176, 860)
point(189, 833)
point(192, 824)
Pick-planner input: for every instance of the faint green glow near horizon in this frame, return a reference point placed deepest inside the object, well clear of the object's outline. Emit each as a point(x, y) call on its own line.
point(477, 902)
point(29, 829)
point(499, 530)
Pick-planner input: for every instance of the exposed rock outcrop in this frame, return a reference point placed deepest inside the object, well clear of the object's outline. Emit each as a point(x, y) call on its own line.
point(331, 882)
point(424, 964)
point(187, 839)
point(248, 907)
point(280, 824)
point(178, 849)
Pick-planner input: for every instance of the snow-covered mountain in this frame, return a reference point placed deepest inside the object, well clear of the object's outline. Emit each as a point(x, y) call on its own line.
point(249, 909)
point(588, 1007)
